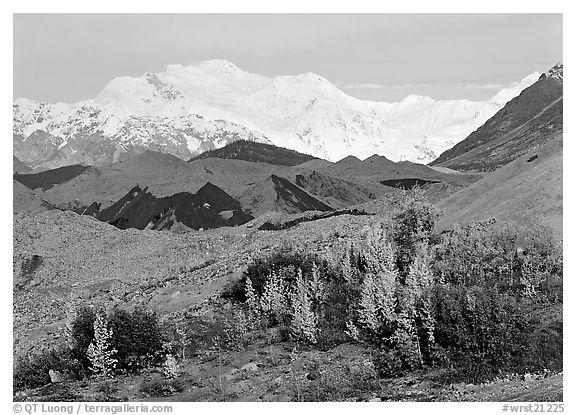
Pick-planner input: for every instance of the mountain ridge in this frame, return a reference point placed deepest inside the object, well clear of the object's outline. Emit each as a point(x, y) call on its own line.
point(528, 120)
point(187, 110)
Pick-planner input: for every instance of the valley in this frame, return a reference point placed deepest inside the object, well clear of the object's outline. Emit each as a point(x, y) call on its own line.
point(336, 266)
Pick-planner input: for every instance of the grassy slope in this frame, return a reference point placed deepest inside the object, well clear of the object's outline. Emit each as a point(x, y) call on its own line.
point(521, 191)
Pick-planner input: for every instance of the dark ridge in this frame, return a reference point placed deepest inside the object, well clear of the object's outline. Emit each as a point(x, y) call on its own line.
point(257, 152)
point(209, 208)
point(296, 197)
point(91, 210)
point(109, 213)
point(49, 178)
point(269, 226)
point(406, 184)
point(532, 118)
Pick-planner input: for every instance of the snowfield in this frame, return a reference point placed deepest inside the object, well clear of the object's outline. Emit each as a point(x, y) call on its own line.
point(186, 110)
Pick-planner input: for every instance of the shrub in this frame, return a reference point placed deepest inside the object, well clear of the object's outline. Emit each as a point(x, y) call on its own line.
point(82, 333)
point(512, 258)
point(157, 387)
point(284, 263)
point(490, 312)
point(387, 363)
point(482, 330)
point(170, 367)
point(239, 327)
point(182, 337)
point(201, 330)
point(471, 299)
point(137, 338)
point(546, 340)
point(33, 371)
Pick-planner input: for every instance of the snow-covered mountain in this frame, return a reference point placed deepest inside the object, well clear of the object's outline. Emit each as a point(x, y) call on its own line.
point(186, 110)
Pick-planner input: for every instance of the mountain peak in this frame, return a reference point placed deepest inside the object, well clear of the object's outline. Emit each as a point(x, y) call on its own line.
point(531, 119)
point(377, 158)
point(186, 110)
point(349, 160)
point(417, 99)
point(557, 72)
point(220, 64)
point(214, 67)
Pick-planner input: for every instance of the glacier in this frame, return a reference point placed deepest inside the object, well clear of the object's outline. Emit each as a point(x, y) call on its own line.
point(186, 110)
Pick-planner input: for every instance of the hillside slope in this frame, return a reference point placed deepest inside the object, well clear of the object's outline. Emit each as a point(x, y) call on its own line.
point(278, 194)
point(18, 166)
point(50, 178)
point(378, 168)
point(338, 185)
point(532, 118)
point(25, 200)
point(527, 190)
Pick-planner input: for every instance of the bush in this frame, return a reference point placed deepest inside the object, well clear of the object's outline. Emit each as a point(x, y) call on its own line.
point(33, 371)
point(286, 263)
point(170, 367)
point(137, 338)
point(481, 299)
point(157, 387)
point(387, 363)
point(82, 333)
point(512, 258)
point(340, 298)
point(485, 331)
point(546, 342)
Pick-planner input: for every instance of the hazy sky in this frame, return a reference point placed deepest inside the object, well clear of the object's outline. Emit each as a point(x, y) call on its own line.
point(384, 57)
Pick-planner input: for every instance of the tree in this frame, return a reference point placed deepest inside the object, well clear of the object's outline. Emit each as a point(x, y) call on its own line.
point(183, 338)
point(304, 321)
point(273, 299)
point(413, 225)
point(100, 351)
point(376, 307)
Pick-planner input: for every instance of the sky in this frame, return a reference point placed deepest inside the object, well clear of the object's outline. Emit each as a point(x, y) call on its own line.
point(380, 57)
